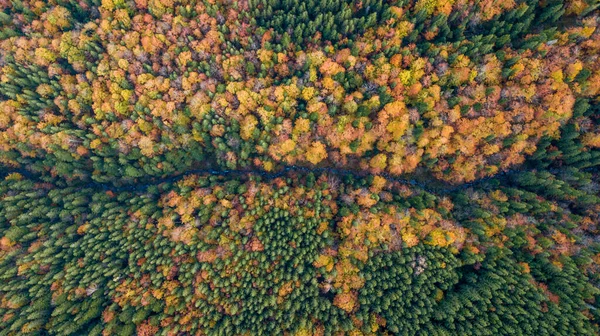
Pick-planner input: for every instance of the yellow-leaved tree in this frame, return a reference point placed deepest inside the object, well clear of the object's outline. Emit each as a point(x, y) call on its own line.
point(316, 153)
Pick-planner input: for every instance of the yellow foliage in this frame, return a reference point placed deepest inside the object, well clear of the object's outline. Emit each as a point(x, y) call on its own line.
point(557, 76)
point(317, 57)
point(364, 199)
point(591, 139)
point(396, 11)
point(108, 5)
point(437, 237)
point(378, 184)
point(286, 289)
point(498, 195)
point(308, 93)
point(265, 56)
point(95, 143)
point(491, 8)
point(265, 115)
point(395, 108)
point(379, 161)
point(405, 77)
point(328, 83)
point(316, 153)
point(330, 68)
point(526, 268)
point(431, 6)
point(404, 28)
point(247, 126)
point(287, 146)
point(123, 64)
point(184, 58)
point(573, 69)
point(587, 31)
point(268, 165)
point(398, 126)
point(410, 239)
point(246, 98)
point(345, 301)
point(44, 56)
point(301, 126)
point(324, 261)
point(303, 332)
point(146, 146)
point(312, 74)
point(59, 16)
point(490, 149)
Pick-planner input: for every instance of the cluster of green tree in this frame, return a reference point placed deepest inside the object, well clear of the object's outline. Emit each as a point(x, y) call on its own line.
point(38, 228)
point(499, 298)
point(299, 21)
point(451, 297)
point(570, 148)
point(480, 31)
point(476, 30)
point(549, 223)
point(81, 261)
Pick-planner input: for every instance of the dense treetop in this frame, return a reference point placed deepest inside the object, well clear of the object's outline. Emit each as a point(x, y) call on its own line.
point(124, 89)
point(318, 255)
point(289, 167)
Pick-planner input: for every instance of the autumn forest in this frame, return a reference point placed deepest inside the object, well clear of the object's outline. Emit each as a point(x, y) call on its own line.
point(299, 167)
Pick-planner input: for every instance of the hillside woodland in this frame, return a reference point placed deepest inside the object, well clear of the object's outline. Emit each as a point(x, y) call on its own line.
point(290, 167)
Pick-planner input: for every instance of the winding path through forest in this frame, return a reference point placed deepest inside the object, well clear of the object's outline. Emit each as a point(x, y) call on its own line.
point(440, 187)
point(430, 185)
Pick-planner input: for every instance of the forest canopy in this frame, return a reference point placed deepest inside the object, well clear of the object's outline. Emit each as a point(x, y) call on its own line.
point(288, 167)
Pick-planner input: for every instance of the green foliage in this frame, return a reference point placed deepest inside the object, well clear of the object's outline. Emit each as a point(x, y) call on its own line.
point(288, 167)
point(405, 287)
point(333, 19)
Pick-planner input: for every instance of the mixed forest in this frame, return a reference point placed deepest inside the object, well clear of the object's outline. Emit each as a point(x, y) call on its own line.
point(299, 167)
